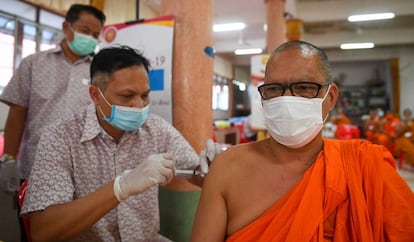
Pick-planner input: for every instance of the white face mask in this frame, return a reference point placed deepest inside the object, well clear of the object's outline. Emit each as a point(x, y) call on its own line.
point(293, 121)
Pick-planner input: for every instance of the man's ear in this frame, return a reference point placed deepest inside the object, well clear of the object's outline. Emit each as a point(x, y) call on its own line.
point(66, 31)
point(65, 25)
point(94, 93)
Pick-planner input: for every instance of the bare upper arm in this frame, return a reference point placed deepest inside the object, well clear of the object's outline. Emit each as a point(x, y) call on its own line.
point(17, 112)
point(210, 223)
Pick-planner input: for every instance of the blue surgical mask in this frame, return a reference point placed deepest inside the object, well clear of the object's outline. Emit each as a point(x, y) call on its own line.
point(126, 118)
point(82, 44)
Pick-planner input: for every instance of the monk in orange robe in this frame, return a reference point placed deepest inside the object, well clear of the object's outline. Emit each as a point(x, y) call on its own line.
point(352, 192)
point(404, 146)
point(387, 133)
point(408, 122)
point(390, 124)
point(371, 126)
point(322, 207)
point(340, 117)
point(295, 185)
point(381, 138)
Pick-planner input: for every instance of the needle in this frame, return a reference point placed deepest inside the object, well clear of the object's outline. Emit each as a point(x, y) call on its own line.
point(188, 173)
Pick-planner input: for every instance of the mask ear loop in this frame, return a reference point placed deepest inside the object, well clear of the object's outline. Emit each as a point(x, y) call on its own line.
point(107, 102)
point(326, 94)
point(323, 99)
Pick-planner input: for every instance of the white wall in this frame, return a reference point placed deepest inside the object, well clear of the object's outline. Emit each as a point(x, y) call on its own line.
point(407, 80)
point(358, 73)
point(223, 67)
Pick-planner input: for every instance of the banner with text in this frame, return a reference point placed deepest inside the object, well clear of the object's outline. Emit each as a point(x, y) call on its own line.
point(154, 37)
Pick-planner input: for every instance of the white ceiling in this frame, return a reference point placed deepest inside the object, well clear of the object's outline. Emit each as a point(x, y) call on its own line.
point(324, 24)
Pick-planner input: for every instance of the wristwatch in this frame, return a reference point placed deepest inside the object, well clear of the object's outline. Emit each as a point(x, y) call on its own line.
point(6, 157)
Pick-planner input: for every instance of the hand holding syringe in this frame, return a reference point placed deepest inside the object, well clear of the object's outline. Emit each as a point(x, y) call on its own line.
point(206, 157)
point(184, 174)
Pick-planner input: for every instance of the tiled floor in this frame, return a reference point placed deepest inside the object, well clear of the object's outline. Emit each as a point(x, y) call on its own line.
point(9, 229)
point(409, 177)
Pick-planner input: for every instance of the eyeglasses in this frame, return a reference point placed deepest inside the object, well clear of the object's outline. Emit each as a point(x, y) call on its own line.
point(301, 89)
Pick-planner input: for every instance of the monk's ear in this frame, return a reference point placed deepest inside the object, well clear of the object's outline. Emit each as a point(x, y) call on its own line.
point(333, 96)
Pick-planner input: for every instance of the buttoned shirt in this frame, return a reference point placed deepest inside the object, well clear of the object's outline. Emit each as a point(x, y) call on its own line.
point(50, 86)
point(76, 157)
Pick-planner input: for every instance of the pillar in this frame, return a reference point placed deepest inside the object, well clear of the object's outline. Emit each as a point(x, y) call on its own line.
point(275, 36)
point(192, 81)
point(192, 68)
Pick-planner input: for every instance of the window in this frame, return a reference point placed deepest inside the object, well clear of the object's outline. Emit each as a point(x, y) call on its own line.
point(7, 50)
point(24, 30)
point(220, 93)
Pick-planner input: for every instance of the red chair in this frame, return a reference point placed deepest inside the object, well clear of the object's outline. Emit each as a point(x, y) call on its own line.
point(400, 160)
point(347, 131)
point(1, 144)
point(20, 197)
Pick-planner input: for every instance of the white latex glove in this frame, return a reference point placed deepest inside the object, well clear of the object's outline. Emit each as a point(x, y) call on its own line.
point(156, 169)
point(208, 154)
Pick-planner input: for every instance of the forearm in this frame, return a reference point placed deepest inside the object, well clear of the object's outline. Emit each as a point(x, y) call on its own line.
point(61, 222)
point(14, 128)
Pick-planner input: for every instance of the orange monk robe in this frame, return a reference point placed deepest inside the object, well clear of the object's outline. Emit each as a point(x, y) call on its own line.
point(370, 135)
point(404, 146)
point(355, 195)
point(371, 128)
point(390, 126)
point(411, 127)
point(342, 119)
point(385, 140)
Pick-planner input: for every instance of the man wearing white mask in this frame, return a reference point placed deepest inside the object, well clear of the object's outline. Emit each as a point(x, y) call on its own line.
point(48, 85)
point(296, 185)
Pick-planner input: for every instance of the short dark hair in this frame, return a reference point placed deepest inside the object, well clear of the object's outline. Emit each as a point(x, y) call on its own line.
point(114, 58)
point(76, 9)
point(323, 63)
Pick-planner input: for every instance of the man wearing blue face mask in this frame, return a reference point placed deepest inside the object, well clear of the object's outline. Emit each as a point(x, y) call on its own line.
point(305, 187)
point(48, 85)
point(98, 172)
point(125, 118)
